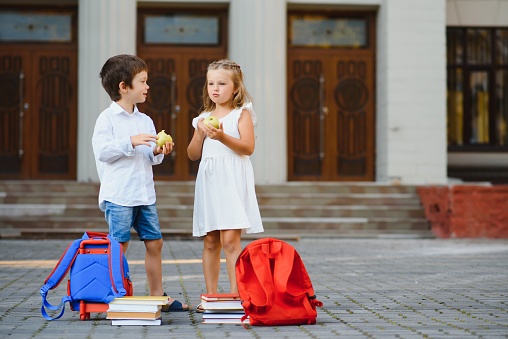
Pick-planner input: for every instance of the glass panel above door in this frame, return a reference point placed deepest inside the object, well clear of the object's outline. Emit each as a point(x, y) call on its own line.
point(181, 29)
point(35, 27)
point(321, 31)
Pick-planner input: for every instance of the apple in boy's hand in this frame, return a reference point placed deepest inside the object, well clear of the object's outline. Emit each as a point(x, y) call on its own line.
point(162, 138)
point(210, 120)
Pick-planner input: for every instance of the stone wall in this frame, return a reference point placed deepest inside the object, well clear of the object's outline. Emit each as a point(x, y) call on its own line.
point(466, 211)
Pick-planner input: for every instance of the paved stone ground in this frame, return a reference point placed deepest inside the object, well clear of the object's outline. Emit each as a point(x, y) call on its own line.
point(371, 288)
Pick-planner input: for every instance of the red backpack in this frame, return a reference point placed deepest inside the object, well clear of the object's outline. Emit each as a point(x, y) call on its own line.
point(274, 285)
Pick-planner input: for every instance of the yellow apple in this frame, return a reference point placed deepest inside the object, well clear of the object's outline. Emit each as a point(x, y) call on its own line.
point(210, 120)
point(162, 138)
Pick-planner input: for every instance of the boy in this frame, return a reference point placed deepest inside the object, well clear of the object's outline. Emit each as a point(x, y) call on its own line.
point(125, 151)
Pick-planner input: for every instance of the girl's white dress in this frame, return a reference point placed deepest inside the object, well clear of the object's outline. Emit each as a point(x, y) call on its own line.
point(225, 196)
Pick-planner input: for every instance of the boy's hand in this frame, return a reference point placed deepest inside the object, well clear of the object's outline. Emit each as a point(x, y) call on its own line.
point(165, 149)
point(143, 139)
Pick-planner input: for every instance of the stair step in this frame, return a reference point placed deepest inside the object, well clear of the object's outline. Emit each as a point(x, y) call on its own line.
point(39, 208)
point(313, 224)
point(281, 211)
point(188, 199)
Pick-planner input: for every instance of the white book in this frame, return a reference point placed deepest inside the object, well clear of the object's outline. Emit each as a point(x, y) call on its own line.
point(224, 321)
point(141, 300)
point(222, 305)
point(133, 308)
point(222, 315)
point(136, 322)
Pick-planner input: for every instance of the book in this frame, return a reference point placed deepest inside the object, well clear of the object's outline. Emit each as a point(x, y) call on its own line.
point(223, 315)
point(224, 321)
point(236, 311)
point(222, 305)
point(133, 308)
point(220, 296)
point(133, 315)
point(136, 322)
point(141, 299)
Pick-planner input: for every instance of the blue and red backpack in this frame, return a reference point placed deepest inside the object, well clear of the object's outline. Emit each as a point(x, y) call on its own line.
point(99, 272)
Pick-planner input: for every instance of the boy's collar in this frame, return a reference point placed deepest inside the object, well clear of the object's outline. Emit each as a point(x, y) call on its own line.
point(117, 109)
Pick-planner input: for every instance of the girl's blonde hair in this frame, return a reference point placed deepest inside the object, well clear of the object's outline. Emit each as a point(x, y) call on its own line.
point(240, 98)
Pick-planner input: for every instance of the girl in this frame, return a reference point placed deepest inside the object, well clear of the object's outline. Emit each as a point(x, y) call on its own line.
point(225, 200)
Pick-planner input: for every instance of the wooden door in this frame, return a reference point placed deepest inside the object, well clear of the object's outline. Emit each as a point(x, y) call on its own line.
point(38, 109)
point(176, 76)
point(331, 111)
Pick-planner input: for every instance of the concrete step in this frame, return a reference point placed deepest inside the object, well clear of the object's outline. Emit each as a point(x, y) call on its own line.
point(165, 187)
point(185, 211)
point(176, 198)
point(41, 208)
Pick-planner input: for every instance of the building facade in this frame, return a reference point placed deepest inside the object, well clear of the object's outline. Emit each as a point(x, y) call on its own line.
point(344, 90)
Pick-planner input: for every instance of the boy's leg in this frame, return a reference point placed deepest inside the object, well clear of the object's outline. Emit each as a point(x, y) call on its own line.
point(147, 226)
point(119, 219)
point(153, 266)
point(211, 260)
point(125, 245)
point(231, 243)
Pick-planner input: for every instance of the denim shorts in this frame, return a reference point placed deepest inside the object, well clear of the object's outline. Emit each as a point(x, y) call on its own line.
point(144, 219)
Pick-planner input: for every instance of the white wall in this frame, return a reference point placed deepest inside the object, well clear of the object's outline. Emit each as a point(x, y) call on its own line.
point(411, 92)
point(477, 13)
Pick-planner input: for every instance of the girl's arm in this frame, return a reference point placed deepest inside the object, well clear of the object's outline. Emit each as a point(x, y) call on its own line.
point(244, 145)
point(196, 144)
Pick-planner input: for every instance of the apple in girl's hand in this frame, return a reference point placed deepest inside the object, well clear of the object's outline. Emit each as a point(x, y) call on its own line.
point(162, 138)
point(210, 120)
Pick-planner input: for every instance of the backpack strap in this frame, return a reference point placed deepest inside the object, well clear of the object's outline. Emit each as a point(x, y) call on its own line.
point(262, 301)
point(56, 276)
point(289, 257)
point(116, 270)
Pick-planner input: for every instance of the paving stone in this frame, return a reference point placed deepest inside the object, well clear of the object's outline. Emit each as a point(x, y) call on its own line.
point(371, 288)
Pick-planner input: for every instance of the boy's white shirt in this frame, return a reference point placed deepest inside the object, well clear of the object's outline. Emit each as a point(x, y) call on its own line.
point(125, 172)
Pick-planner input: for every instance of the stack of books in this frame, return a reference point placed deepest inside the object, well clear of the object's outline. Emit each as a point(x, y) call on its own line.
point(222, 308)
point(136, 310)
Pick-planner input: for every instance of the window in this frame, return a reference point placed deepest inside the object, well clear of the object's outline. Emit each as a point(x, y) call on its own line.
point(35, 27)
point(323, 31)
point(477, 89)
point(182, 29)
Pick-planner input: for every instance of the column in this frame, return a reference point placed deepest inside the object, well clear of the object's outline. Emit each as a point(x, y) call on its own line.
point(257, 41)
point(106, 28)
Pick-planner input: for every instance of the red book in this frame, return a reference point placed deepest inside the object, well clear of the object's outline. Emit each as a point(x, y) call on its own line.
point(220, 296)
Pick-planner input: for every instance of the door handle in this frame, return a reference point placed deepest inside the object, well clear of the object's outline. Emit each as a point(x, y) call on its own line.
point(23, 106)
point(323, 110)
point(174, 110)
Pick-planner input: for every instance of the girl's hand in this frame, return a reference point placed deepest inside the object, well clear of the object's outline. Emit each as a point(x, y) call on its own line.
point(212, 132)
point(143, 139)
point(201, 126)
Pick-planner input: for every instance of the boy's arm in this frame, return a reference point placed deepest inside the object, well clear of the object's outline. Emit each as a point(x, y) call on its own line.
point(106, 148)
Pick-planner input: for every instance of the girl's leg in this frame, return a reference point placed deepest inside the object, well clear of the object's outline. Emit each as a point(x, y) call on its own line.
point(231, 243)
point(211, 260)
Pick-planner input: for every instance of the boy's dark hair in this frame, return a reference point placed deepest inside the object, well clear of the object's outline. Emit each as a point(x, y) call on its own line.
point(120, 68)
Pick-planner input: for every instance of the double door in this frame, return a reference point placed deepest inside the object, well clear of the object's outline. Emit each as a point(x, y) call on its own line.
point(331, 98)
point(38, 112)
